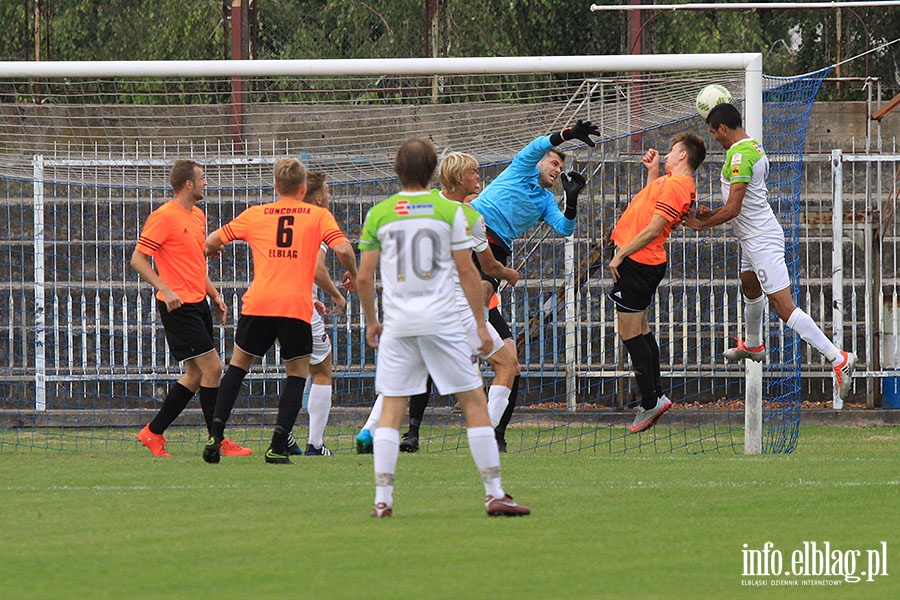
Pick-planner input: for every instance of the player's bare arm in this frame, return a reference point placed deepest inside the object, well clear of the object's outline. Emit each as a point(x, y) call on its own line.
point(214, 244)
point(723, 214)
point(647, 235)
point(217, 300)
point(470, 282)
point(365, 289)
point(494, 268)
point(140, 262)
point(650, 160)
point(347, 256)
point(325, 283)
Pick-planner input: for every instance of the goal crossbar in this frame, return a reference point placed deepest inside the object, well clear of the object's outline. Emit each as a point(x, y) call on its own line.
point(750, 61)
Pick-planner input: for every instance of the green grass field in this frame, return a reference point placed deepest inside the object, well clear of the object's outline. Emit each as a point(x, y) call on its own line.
point(109, 525)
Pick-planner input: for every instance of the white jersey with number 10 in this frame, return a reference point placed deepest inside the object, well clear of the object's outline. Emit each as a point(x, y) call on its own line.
point(417, 234)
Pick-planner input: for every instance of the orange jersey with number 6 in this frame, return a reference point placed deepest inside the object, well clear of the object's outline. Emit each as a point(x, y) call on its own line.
point(284, 237)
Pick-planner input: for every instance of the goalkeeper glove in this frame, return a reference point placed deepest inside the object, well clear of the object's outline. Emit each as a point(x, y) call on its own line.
point(573, 182)
point(582, 130)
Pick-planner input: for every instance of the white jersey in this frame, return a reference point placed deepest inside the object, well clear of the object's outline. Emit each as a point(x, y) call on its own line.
point(324, 248)
point(417, 234)
point(479, 238)
point(321, 341)
point(746, 162)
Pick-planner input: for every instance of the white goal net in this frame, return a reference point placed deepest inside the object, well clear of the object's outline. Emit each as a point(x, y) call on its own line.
point(85, 150)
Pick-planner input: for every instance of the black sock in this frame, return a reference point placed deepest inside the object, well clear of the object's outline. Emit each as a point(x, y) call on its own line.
point(654, 355)
point(227, 396)
point(176, 399)
point(208, 405)
point(642, 363)
point(500, 429)
point(288, 407)
point(417, 406)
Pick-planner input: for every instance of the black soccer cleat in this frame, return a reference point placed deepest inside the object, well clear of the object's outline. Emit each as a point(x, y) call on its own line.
point(273, 458)
point(410, 442)
point(211, 452)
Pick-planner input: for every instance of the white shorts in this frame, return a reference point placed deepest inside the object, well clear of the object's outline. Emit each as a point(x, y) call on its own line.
point(471, 327)
point(404, 363)
point(321, 347)
point(764, 255)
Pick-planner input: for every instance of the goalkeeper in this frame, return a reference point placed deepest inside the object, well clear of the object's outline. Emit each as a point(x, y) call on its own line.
point(518, 199)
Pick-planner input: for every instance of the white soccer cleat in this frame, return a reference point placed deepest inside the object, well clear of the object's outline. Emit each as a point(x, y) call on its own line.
point(843, 374)
point(742, 352)
point(504, 507)
point(645, 419)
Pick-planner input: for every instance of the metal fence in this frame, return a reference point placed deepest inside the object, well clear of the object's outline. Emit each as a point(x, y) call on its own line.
point(75, 311)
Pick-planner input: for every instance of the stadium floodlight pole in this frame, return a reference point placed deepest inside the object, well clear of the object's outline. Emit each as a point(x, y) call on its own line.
point(744, 5)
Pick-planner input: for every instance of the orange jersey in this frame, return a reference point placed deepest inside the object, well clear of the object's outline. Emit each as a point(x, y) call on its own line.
point(670, 196)
point(284, 237)
point(175, 238)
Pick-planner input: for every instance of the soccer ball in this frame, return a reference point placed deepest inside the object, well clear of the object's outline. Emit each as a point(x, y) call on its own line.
point(710, 96)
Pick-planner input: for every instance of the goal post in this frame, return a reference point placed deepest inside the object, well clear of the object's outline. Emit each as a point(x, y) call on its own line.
point(83, 326)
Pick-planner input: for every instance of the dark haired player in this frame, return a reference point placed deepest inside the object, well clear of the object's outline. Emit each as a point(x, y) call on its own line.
point(639, 264)
point(516, 200)
point(763, 269)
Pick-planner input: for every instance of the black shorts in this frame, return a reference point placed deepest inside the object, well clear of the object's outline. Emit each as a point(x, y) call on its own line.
point(496, 319)
point(189, 329)
point(255, 335)
point(637, 284)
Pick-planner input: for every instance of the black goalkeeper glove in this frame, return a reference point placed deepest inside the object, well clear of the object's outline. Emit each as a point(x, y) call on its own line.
point(582, 130)
point(573, 182)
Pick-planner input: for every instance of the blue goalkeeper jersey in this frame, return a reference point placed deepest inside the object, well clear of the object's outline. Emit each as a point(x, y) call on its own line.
point(515, 201)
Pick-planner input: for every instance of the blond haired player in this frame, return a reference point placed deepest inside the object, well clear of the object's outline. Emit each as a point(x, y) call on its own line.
point(284, 237)
point(460, 182)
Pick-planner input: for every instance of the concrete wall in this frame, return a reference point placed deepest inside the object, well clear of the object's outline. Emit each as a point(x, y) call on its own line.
point(838, 124)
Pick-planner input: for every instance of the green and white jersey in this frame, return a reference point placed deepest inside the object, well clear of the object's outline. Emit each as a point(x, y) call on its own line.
point(476, 228)
point(417, 233)
point(746, 162)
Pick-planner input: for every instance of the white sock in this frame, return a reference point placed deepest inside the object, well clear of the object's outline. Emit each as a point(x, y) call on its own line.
point(483, 446)
point(753, 320)
point(807, 329)
point(498, 400)
point(319, 409)
point(375, 415)
point(386, 449)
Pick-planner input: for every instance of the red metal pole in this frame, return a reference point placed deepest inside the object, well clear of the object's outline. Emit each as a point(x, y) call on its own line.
point(237, 83)
point(635, 46)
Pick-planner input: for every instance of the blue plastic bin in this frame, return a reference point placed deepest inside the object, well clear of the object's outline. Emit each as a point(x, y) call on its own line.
point(890, 392)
